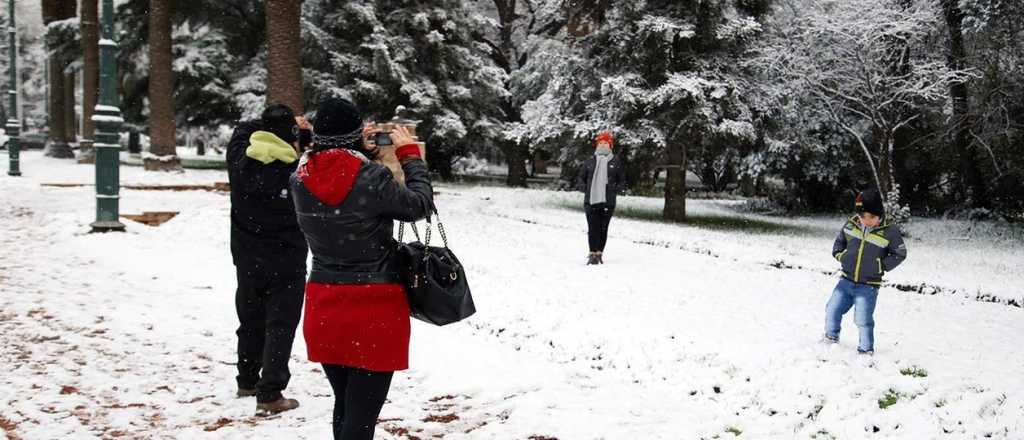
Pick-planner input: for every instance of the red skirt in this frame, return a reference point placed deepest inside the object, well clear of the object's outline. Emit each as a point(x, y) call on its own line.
point(362, 326)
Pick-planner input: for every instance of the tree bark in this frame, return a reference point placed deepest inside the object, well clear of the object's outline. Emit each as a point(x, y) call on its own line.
point(970, 175)
point(516, 155)
point(886, 171)
point(161, 90)
point(90, 77)
point(506, 18)
point(70, 120)
point(284, 60)
point(675, 184)
point(57, 144)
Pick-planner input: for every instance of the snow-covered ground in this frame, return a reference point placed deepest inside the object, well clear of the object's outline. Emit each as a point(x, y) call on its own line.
point(687, 332)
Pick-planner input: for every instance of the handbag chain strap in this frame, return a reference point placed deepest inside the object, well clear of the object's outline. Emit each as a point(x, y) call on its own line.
point(440, 229)
point(427, 234)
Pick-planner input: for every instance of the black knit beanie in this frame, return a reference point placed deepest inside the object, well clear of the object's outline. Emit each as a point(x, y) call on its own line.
point(338, 124)
point(870, 201)
point(279, 119)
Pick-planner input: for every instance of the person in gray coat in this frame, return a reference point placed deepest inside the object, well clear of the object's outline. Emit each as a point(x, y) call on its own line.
point(866, 248)
point(600, 179)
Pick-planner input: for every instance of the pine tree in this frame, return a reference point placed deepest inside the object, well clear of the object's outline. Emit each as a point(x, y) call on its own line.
point(662, 75)
point(423, 56)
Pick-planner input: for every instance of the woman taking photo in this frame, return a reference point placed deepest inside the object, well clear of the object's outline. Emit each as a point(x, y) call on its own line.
point(600, 179)
point(357, 314)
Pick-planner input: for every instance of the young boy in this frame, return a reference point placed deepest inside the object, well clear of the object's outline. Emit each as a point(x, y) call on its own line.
point(867, 249)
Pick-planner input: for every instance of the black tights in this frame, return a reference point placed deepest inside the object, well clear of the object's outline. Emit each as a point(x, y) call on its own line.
point(359, 396)
point(598, 218)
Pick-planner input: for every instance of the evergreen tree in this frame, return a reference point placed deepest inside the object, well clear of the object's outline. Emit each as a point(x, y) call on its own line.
point(662, 75)
point(421, 55)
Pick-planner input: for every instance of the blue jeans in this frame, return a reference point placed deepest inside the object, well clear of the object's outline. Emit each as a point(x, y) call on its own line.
point(849, 294)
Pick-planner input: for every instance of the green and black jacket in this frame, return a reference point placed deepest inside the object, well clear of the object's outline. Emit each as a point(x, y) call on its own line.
point(866, 254)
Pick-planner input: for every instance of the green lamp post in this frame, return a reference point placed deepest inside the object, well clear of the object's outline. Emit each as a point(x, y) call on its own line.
point(107, 119)
point(13, 123)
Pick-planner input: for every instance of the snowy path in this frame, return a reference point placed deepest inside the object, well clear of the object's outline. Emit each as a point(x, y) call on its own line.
point(131, 335)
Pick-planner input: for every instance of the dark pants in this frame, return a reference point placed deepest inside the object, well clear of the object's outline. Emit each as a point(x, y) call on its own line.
point(598, 218)
point(359, 396)
point(269, 305)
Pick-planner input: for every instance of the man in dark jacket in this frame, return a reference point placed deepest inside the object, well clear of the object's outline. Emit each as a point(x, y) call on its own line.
point(601, 179)
point(269, 252)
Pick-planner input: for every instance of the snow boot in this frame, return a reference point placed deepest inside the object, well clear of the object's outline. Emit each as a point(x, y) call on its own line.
point(600, 258)
point(277, 406)
point(829, 340)
point(866, 352)
point(245, 392)
point(592, 258)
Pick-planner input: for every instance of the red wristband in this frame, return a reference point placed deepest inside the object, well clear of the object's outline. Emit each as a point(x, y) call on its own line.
point(408, 151)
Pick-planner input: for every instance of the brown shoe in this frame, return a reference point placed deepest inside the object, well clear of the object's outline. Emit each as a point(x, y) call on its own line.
point(277, 406)
point(245, 392)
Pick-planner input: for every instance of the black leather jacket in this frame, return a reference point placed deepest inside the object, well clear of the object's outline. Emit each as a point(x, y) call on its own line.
point(352, 241)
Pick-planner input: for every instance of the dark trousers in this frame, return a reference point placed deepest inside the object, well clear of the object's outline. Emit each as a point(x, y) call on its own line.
point(269, 305)
point(598, 218)
point(359, 396)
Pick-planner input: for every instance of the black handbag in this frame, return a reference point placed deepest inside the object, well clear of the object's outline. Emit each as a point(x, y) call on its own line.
point(434, 279)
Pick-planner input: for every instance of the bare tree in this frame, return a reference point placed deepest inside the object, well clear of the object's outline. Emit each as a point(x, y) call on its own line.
point(163, 152)
point(841, 55)
point(284, 61)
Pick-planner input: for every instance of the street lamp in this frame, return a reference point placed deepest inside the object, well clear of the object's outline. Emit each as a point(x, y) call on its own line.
point(13, 124)
point(107, 119)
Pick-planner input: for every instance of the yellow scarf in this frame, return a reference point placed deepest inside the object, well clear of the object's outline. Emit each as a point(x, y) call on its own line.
point(266, 147)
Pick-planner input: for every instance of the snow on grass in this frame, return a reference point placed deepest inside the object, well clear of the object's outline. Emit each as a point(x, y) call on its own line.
point(688, 331)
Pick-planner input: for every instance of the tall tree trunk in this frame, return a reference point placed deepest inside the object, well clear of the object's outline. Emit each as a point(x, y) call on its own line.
point(70, 122)
point(90, 77)
point(675, 184)
point(506, 19)
point(971, 181)
point(516, 155)
point(284, 60)
point(886, 170)
point(161, 90)
point(57, 144)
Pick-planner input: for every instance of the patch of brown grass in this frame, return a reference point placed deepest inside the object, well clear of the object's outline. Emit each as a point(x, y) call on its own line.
point(220, 423)
point(9, 427)
point(441, 418)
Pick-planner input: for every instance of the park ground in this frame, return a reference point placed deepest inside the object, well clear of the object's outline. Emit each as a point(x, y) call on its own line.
point(709, 329)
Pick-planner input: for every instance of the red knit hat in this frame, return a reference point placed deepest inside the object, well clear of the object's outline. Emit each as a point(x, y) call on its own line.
point(605, 136)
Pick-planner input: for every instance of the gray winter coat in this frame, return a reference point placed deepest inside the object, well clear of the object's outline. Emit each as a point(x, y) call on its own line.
point(616, 179)
point(865, 258)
